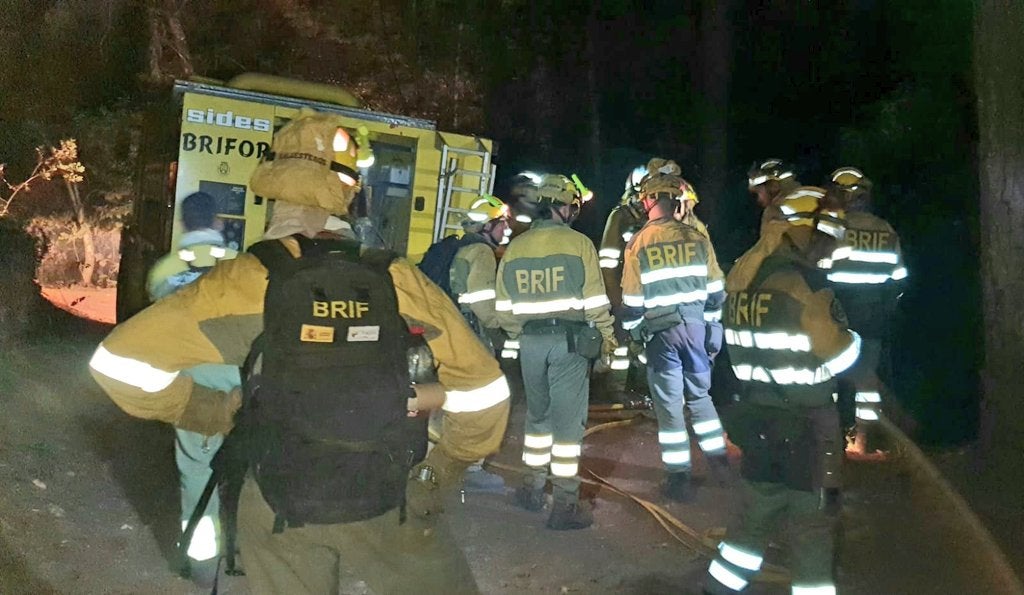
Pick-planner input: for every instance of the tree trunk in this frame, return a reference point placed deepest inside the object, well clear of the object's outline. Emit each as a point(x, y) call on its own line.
point(87, 267)
point(999, 84)
point(715, 65)
point(169, 56)
point(592, 91)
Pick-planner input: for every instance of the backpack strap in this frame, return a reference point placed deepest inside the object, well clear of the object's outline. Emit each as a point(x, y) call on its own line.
point(272, 254)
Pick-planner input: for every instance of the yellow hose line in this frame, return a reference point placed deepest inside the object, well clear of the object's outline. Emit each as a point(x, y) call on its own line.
point(693, 540)
point(610, 424)
point(679, 531)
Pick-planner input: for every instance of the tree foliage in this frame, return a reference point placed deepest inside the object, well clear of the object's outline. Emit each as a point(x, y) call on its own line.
point(53, 163)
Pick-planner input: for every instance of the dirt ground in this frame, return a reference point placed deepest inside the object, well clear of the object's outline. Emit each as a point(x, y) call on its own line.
point(90, 303)
point(88, 504)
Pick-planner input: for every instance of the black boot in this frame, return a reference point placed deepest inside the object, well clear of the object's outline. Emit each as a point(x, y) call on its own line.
point(721, 471)
point(204, 573)
point(678, 487)
point(530, 498)
point(567, 515)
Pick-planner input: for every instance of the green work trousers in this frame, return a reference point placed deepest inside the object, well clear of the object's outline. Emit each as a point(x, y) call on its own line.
point(417, 556)
point(557, 393)
point(767, 506)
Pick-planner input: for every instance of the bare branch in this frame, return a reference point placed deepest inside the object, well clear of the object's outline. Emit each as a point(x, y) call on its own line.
point(61, 162)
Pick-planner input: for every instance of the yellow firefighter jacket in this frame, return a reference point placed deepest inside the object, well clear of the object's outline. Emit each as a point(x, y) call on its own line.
point(867, 272)
point(216, 319)
point(618, 229)
point(551, 271)
point(787, 335)
point(671, 266)
point(472, 276)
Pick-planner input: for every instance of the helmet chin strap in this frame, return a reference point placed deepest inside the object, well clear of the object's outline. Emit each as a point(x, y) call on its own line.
point(488, 233)
point(567, 219)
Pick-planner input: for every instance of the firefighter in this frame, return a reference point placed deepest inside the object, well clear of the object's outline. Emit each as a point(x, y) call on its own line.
point(200, 247)
point(788, 339)
point(551, 298)
point(522, 207)
point(672, 290)
point(770, 181)
point(521, 195)
point(867, 275)
point(311, 172)
point(623, 221)
point(472, 275)
point(474, 266)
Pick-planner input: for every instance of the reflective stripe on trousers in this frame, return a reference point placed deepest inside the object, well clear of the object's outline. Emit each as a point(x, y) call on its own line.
point(192, 454)
point(679, 376)
point(867, 386)
point(766, 508)
point(557, 393)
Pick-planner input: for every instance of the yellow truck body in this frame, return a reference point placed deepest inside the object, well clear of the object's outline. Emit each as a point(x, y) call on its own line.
point(420, 181)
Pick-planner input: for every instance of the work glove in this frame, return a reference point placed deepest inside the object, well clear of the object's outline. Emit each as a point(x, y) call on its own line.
point(426, 397)
point(604, 363)
point(430, 482)
point(210, 411)
point(713, 334)
point(497, 337)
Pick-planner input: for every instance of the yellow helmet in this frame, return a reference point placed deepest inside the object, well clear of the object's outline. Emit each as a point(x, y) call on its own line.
point(664, 177)
point(312, 162)
point(559, 189)
point(486, 208)
point(850, 178)
point(770, 169)
point(807, 207)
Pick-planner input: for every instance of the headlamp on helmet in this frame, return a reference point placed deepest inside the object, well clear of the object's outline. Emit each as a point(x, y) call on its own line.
point(585, 193)
point(535, 178)
point(635, 177)
point(345, 157)
point(364, 154)
point(771, 169)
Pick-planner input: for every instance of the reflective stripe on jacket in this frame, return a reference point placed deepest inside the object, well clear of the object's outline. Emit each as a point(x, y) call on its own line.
point(216, 319)
point(551, 271)
point(867, 273)
point(781, 332)
point(671, 266)
point(618, 229)
point(198, 250)
point(869, 256)
point(472, 276)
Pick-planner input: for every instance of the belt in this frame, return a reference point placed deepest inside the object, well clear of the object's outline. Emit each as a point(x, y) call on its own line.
point(546, 326)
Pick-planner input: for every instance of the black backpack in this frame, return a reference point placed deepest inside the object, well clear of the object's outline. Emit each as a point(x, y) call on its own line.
point(329, 436)
point(437, 262)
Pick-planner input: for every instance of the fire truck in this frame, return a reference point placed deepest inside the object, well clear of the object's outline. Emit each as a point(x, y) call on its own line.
point(210, 135)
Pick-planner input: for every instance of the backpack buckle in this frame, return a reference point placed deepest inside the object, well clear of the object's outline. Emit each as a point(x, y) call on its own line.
point(426, 475)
